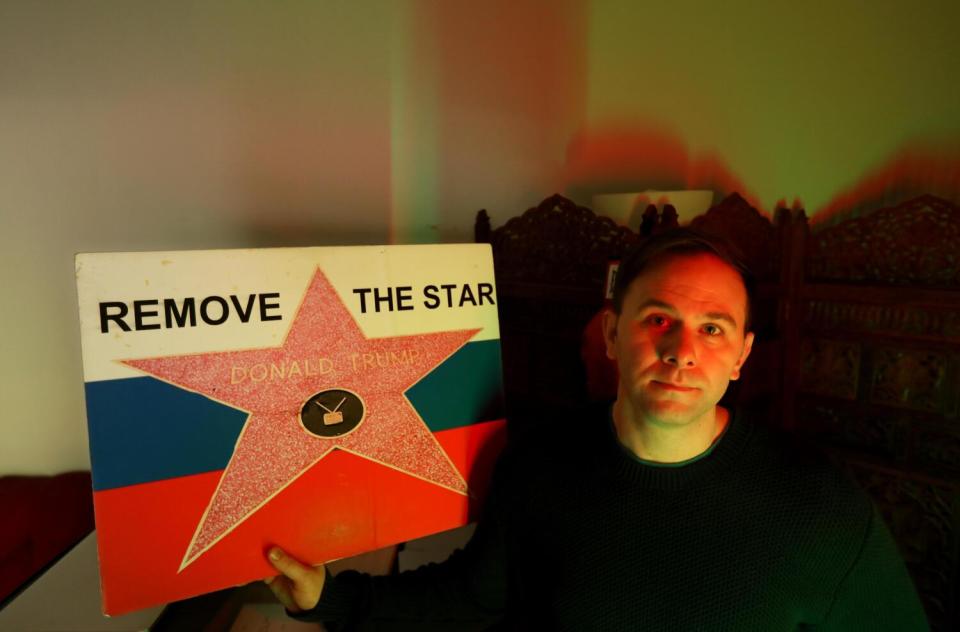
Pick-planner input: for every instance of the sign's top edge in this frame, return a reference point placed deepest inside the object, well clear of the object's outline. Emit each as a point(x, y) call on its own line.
point(380, 247)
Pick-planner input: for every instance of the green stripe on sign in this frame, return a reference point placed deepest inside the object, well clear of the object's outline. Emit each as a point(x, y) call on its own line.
point(464, 390)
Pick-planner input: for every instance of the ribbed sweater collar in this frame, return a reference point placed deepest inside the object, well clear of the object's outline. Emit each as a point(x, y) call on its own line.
point(725, 455)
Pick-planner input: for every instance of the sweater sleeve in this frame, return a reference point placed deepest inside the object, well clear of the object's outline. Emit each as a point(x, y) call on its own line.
point(465, 592)
point(877, 593)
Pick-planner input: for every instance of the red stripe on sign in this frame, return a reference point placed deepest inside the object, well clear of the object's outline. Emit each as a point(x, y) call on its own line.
point(342, 506)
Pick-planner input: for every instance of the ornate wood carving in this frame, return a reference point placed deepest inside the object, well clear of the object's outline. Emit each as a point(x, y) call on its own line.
point(481, 228)
point(551, 265)
point(838, 424)
point(922, 515)
point(936, 448)
point(744, 227)
point(909, 378)
point(890, 319)
point(913, 244)
point(887, 287)
point(558, 243)
point(866, 341)
point(830, 367)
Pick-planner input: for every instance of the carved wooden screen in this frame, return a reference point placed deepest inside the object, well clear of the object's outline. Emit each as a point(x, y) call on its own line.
point(550, 267)
point(878, 369)
point(858, 345)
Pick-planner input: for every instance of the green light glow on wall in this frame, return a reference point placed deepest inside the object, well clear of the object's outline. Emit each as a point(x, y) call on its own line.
point(798, 100)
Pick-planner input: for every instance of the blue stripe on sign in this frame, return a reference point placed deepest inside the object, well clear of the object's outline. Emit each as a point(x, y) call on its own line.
point(464, 390)
point(143, 430)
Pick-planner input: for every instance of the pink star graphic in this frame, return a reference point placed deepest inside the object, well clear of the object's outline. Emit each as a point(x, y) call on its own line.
point(324, 349)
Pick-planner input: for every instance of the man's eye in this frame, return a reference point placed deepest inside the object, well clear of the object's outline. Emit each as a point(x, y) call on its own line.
point(712, 330)
point(657, 321)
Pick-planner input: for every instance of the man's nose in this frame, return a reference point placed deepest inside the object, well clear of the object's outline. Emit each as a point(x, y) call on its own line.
point(678, 348)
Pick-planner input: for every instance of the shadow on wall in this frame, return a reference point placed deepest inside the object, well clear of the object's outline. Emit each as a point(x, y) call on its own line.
point(637, 158)
point(918, 168)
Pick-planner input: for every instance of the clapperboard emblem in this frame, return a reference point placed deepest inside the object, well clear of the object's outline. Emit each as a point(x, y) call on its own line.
point(332, 417)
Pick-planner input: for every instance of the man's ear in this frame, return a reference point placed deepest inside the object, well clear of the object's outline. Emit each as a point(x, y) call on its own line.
point(610, 332)
point(747, 348)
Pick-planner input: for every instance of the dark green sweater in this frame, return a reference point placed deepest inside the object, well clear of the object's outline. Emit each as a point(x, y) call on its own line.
point(577, 534)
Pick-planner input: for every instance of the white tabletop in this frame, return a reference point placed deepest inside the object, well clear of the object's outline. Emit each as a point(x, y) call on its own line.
point(66, 598)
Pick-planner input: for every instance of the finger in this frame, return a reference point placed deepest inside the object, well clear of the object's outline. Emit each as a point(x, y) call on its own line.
point(282, 591)
point(288, 566)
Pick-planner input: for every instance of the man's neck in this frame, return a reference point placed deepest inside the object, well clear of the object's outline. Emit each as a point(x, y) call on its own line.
point(665, 443)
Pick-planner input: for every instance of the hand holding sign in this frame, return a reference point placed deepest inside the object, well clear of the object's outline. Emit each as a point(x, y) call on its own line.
point(298, 587)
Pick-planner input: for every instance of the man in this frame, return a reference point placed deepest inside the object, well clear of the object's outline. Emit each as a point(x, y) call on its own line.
point(664, 512)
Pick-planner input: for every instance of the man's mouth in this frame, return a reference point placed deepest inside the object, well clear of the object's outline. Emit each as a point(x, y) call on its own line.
point(667, 386)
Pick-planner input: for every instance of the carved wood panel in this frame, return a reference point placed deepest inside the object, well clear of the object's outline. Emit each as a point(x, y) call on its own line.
point(923, 517)
point(746, 229)
point(880, 357)
point(863, 317)
point(913, 321)
point(913, 244)
point(909, 378)
point(834, 423)
point(558, 243)
point(830, 367)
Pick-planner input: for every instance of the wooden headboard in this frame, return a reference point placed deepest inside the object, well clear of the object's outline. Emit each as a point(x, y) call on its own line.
point(858, 345)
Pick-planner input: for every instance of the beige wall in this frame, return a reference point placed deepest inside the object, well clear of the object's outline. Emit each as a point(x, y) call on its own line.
point(181, 125)
point(142, 126)
point(783, 99)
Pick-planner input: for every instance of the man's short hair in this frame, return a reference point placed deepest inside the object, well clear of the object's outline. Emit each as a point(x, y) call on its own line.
point(680, 242)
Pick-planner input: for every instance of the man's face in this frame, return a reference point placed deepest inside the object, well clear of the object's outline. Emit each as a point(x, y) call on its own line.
point(679, 338)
